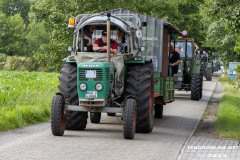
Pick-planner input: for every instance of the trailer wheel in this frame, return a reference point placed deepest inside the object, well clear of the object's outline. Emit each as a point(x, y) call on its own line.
point(140, 85)
point(57, 115)
point(195, 87)
point(129, 118)
point(158, 110)
point(209, 74)
point(95, 117)
point(68, 87)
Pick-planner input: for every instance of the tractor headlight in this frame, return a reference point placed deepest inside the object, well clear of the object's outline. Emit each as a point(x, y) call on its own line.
point(99, 86)
point(83, 86)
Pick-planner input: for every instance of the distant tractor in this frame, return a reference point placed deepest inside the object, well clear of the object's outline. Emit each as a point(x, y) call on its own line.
point(217, 65)
point(189, 76)
point(207, 65)
point(133, 83)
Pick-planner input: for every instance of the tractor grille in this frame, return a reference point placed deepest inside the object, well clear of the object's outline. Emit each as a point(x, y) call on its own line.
point(109, 77)
point(107, 73)
point(99, 74)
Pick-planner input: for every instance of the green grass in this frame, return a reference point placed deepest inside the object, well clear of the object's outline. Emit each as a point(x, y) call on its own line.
point(25, 97)
point(228, 116)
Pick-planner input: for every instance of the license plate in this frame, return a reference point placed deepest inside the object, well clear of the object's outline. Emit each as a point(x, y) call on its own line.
point(91, 94)
point(90, 74)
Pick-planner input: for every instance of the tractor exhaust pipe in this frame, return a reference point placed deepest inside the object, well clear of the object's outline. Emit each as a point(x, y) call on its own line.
point(108, 37)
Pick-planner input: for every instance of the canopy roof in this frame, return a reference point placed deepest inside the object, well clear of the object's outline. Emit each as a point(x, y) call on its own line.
point(99, 20)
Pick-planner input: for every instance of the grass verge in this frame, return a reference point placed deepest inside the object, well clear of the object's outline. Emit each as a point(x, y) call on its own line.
point(25, 97)
point(228, 116)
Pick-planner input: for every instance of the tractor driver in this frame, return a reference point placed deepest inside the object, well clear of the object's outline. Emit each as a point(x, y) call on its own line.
point(88, 38)
point(101, 44)
point(174, 60)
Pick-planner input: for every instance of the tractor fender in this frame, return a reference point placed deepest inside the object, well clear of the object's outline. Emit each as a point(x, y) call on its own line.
point(59, 93)
point(196, 65)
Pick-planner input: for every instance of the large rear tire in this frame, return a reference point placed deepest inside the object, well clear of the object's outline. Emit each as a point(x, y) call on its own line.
point(57, 115)
point(95, 117)
point(196, 87)
point(140, 85)
point(68, 87)
point(129, 118)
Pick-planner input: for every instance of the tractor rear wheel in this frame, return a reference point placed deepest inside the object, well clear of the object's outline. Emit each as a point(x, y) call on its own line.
point(57, 115)
point(158, 110)
point(129, 118)
point(68, 87)
point(95, 117)
point(209, 74)
point(140, 85)
point(196, 87)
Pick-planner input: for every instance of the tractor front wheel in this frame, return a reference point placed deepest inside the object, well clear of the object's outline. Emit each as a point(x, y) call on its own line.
point(129, 118)
point(57, 116)
point(95, 117)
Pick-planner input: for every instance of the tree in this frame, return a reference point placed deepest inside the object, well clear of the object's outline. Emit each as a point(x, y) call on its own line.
point(188, 18)
point(12, 38)
point(223, 29)
point(36, 35)
point(229, 10)
point(12, 7)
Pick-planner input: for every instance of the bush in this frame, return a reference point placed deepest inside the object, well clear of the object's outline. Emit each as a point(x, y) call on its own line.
point(3, 59)
point(230, 81)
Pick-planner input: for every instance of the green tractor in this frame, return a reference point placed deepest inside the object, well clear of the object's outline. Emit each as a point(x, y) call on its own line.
point(189, 76)
point(207, 65)
point(133, 83)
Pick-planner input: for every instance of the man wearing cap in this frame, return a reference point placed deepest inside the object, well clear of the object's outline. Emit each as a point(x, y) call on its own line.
point(101, 44)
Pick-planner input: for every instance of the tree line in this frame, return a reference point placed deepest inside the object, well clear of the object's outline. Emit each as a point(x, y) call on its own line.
point(38, 28)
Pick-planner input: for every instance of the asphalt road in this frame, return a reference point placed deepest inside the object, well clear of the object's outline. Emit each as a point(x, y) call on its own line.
point(105, 140)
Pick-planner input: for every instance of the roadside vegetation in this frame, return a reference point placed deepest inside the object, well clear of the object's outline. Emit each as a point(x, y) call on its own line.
point(2, 60)
point(25, 97)
point(228, 116)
